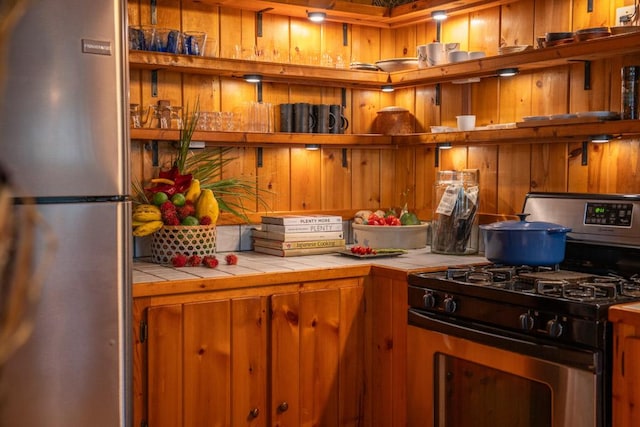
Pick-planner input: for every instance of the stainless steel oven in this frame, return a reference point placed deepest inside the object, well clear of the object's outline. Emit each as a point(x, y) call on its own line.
point(526, 346)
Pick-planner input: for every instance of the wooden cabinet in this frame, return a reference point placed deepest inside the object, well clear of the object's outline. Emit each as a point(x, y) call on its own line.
point(626, 369)
point(284, 357)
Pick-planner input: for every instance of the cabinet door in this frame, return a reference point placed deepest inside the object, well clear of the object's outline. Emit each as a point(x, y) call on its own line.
point(207, 363)
point(317, 348)
point(626, 376)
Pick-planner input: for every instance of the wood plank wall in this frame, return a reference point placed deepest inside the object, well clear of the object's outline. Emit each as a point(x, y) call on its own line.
point(377, 177)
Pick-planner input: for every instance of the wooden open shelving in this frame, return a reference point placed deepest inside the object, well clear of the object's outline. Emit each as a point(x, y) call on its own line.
point(529, 60)
point(533, 134)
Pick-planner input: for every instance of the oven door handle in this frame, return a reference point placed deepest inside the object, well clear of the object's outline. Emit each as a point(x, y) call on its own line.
point(589, 360)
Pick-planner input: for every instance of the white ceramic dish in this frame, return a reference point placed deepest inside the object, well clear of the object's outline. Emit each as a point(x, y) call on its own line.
point(397, 64)
point(400, 237)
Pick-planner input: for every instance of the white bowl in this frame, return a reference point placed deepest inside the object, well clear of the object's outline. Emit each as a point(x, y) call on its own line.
point(397, 64)
point(397, 237)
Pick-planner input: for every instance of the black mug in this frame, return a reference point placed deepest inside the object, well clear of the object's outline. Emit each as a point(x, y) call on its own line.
point(303, 118)
point(322, 117)
point(338, 123)
point(286, 118)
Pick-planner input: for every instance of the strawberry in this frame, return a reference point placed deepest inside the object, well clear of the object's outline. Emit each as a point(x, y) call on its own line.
point(231, 259)
point(194, 261)
point(210, 261)
point(179, 260)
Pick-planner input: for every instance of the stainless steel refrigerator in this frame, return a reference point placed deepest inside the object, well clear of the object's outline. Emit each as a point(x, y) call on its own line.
point(64, 142)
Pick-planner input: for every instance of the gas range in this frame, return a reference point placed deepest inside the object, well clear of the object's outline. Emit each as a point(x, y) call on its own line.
point(564, 304)
point(548, 304)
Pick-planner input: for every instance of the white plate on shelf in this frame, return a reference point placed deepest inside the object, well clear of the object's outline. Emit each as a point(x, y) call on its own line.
point(534, 118)
point(605, 115)
point(397, 64)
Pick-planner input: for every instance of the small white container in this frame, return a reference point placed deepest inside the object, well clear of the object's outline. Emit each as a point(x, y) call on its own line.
point(396, 237)
point(466, 122)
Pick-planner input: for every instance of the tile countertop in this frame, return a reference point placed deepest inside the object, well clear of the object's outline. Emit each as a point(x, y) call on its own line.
point(251, 263)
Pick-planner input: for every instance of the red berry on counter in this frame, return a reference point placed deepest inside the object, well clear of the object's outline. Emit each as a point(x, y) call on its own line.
point(210, 261)
point(179, 260)
point(194, 261)
point(205, 220)
point(167, 207)
point(231, 259)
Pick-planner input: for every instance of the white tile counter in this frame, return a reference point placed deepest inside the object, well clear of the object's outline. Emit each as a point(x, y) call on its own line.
point(250, 262)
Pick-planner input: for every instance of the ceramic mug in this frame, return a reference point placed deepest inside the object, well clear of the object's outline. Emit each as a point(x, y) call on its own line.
point(338, 123)
point(303, 119)
point(322, 117)
point(458, 55)
point(435, 54)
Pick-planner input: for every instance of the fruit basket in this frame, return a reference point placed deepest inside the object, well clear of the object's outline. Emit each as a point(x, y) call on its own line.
point(173, 240)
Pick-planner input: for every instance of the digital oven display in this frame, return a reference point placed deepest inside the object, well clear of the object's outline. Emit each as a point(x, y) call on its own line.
point(611, 214)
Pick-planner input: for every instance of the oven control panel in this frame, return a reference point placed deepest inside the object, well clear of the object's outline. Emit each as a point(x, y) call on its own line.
point(612, 214)
point(612, 219)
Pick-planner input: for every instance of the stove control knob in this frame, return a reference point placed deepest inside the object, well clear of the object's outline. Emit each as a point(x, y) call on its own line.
point(527, 322)
point(449, 305)
point(429, 300)
point(554, 328)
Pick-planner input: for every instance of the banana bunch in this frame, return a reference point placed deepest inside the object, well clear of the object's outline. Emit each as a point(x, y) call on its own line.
point(147, 219)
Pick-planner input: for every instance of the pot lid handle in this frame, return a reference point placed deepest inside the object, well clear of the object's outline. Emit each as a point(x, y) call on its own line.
point(523, 216)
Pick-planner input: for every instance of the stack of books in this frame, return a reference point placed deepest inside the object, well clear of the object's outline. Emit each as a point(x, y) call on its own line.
point(295, 235)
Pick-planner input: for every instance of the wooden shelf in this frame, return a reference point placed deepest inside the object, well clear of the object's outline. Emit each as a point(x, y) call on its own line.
point(541, 134)
point(533, 59)
point(358, 13)
point(265, 139)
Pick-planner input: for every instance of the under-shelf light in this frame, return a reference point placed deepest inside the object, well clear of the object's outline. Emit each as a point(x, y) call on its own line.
point(316, 16)
point(439, 15)
point(444, 145)
point(387, 88)
point(252, 78)
point(312, 147)
point(600, 139)
point(507, 72)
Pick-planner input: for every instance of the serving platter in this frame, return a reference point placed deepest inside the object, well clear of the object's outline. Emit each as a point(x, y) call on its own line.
point(380, 253)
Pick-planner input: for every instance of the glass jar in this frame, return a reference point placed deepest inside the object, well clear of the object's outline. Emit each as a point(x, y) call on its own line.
point(454, 228)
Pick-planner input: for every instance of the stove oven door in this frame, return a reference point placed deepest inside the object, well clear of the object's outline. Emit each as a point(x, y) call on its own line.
point(461, 376)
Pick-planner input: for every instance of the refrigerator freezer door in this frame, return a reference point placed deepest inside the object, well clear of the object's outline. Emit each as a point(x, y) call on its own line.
point(64, 113)
point(75, 368)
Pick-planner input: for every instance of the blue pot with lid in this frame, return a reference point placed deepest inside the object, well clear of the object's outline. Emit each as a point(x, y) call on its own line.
point(523, 242)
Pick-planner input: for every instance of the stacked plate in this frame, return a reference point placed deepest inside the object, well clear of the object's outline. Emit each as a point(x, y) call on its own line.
point(397, 64)
point(591, 33)
point(363, 66)
point(503, 50)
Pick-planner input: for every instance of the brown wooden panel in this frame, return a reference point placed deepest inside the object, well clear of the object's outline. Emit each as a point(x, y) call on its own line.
point(366, 179)
point(515, 98)
point(451, 103)
point(305, 42)
point(334, 53)
point(485, 159)
point(516, 25)
point(273, 46)
point(597, 18)
point(549, 92)
point(404, 181)
point(200, 16)
point(399, 307)
point(336, 179)
point(319, 348)
point(405, 42)
point(242, 167)
point(249, 367)
point(388, 178)
point(596, 98)
point(549, 163)
point(577, 173)
point(484, 99)
point(202, 90)
point(305, 179)
point(484, 31)
point(551, 16)
point(514, 177)
point(140, 362)
point(364, 107)
point(274, 176)
point(207, 364)
point(365, 44)
point(455, 29)
point(165, 369)
point(231, 37)
point(351, 389)
point(425, 179)
point(453, 159)
point(626, 167)
point(285, 362)
point(380, 337)
point(419, 383)
point(427, 113)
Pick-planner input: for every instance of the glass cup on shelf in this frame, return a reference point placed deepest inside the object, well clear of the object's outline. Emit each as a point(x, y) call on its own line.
point(175, 117)
point(135, 118)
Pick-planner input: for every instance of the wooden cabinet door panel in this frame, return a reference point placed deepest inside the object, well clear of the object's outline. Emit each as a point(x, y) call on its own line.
point(285, 374)
point(249, 362)
point(207, 363)
point(165, 366)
